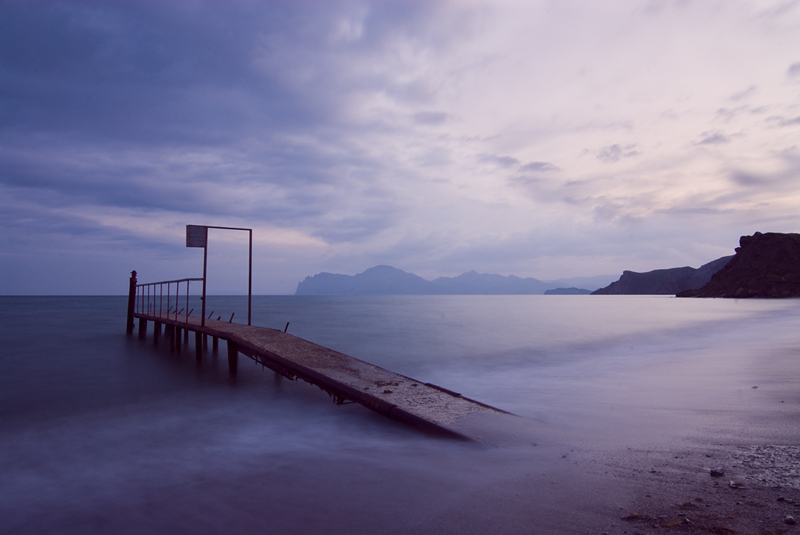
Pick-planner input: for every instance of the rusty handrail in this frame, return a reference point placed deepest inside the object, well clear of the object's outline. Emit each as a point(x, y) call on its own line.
point(145, 302)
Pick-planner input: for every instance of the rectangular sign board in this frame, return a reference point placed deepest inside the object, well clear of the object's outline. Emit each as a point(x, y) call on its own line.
point(196, 235)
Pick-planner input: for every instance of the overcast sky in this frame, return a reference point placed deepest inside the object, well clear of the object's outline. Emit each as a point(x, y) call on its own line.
point(544, 139)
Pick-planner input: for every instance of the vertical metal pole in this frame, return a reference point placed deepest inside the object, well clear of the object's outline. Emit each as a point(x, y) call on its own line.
point(187, 301)
point(131, 302)
point(250, 279)
point(177, 298)
point(205, 264)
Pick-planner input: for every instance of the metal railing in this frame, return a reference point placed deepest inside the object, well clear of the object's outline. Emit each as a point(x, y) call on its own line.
point(151, 299)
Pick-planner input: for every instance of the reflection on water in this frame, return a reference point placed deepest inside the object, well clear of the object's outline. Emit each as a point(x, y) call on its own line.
point(103, 433)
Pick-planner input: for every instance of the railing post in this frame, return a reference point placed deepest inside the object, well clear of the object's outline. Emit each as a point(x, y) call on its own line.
point(131, 302)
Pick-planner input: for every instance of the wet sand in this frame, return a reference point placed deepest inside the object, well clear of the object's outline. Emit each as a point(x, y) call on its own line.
point(642, 460)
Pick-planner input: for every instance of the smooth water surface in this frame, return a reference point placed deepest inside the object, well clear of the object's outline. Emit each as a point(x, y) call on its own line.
point(102, 433)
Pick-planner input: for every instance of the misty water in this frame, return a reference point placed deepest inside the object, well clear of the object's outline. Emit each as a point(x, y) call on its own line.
point(102, 433)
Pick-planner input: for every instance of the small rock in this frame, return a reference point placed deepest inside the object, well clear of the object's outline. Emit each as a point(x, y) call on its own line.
point(755, 387)
point(716, 472)
point(736, 485)
point(632, 516)
point(781, 499)
point(789, 520)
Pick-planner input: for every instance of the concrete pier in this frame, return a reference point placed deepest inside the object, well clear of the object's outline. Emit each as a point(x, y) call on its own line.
point(344, 378)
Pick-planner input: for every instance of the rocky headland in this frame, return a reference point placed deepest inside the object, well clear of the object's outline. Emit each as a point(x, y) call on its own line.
point(663, 281)
point(765, 265)
point(567, 291)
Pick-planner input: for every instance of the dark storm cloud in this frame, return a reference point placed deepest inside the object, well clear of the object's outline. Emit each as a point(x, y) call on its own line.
point(176, 72)
point(147, 73)
point(191, 107)
point(153, 183)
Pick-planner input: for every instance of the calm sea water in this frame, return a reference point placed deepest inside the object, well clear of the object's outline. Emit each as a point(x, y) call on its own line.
point(107, 434)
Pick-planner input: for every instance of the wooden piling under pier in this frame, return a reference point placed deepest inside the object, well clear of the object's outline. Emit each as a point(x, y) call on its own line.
point(346, 379)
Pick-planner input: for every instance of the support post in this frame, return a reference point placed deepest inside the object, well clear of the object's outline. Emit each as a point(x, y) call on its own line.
point(198, 345)
point(156, 331)
point(131, 302)
point(142, 328)
point(177, 339)
point(214, 344)
point(171, 331)
point(233, 357)
point(250, 279)
point(205, 271)
point(186, 337)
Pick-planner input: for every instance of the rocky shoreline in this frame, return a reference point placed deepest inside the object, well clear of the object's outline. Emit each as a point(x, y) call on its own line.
point(750, 489)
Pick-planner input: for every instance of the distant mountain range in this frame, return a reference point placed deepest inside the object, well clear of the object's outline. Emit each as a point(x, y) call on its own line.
point(766, 265)
point(387, 280)
point(663, 281)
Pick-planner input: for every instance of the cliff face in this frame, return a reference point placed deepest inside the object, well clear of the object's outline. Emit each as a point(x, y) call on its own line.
point(765, 265)
point(663, 281)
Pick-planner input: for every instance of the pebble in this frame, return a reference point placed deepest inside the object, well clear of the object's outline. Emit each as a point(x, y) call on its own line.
point(716, 472)
point(790, 520)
